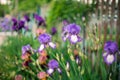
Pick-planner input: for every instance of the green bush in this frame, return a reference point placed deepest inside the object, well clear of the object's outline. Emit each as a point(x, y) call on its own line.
point(71, 10)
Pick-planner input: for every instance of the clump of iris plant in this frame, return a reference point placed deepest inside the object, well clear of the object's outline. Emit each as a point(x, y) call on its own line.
point(53, 65)
point(111, 49)
point(40, 21)
point(45, 40)
point(26, 52)
point(71, 32)
point(18, 25)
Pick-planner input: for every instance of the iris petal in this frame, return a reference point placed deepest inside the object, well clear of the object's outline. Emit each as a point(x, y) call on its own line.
point(51, 44)
point(50, 71)
point(74, 39)
point(65, 35)
point(109, 59)
point(59, 70)
point(41, 47)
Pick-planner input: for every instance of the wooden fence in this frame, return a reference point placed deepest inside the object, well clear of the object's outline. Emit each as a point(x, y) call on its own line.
point(106, 21)
point(108, 16)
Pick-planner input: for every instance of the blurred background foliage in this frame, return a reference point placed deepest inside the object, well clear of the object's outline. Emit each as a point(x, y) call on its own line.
point(31, 5)
point(4, 10)
point(57, 9)
point(71, 10)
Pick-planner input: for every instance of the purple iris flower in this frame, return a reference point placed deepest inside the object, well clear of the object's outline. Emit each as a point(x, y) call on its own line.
point(5, 24)
point(18, 25)
point(26, 52)
point(45, 39)
point(27, 18)
point(26, 48)
point(109, 58)
point(53, 30)
point(21, 24)
point(39, 20)
point(65, 22)
point(71, 32)
point(53, 65)
point(73, 28)
point(110, 48)
point(15, 24)
point(14, 20)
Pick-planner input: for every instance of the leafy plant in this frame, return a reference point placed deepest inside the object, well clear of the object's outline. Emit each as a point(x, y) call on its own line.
point(10, 54)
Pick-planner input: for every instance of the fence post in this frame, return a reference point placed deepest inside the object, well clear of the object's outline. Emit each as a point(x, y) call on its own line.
point(118, 36)
point(112, 17)
point(118, 23)
point(84, 34)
